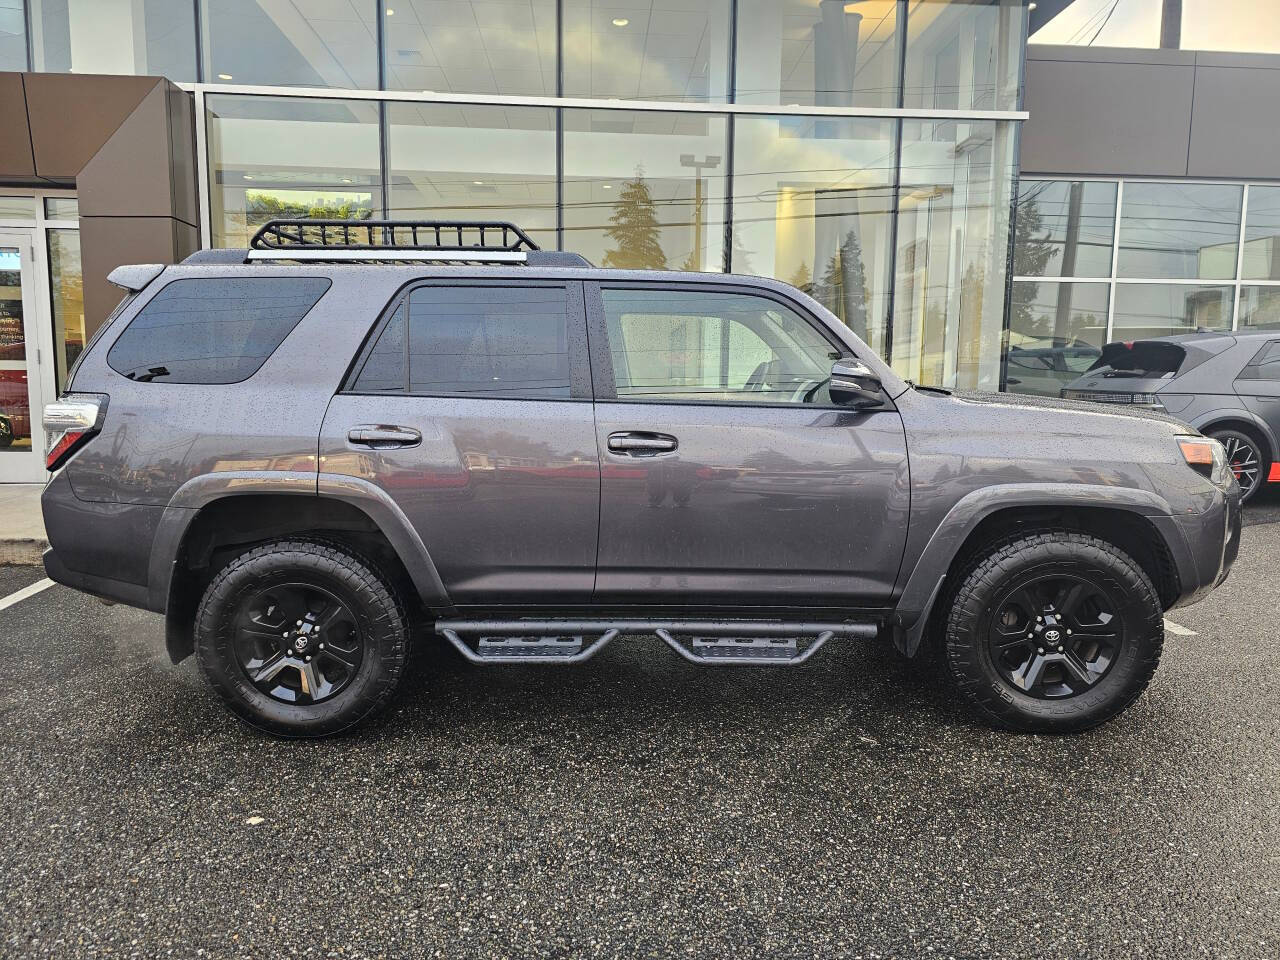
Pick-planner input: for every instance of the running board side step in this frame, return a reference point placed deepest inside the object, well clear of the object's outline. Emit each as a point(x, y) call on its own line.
point(715, 642)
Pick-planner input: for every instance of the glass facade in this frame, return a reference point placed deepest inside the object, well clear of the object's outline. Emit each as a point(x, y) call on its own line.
point(1103, 260)
point(1235, 26)
point(863, 150)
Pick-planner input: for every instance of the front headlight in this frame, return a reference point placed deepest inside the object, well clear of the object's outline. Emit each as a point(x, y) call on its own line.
point(1207, 457)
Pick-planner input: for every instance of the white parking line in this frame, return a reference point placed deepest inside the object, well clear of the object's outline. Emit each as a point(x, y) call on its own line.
point(1178, 630)
point(20, 595)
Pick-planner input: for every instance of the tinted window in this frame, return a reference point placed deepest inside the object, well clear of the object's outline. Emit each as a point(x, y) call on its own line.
point(1264, 366)
point(385, 370)
point(213, 331)
point(698, 346)
point(475, 341)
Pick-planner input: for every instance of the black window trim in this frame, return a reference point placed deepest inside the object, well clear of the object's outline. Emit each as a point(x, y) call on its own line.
point(575, 326)
point(116, 317)
point(1256, 361)
point(602, 360)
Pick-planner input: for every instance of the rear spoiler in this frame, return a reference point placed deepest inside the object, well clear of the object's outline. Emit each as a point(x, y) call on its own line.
point(135, 277)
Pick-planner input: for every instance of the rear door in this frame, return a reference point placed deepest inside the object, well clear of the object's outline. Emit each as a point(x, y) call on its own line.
point(728, 475)
point(1258, 385)
point(471, 407)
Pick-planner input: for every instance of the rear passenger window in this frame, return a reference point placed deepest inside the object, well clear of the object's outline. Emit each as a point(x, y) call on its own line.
point(1265, 365)
point(483, 341)
point(216, 330)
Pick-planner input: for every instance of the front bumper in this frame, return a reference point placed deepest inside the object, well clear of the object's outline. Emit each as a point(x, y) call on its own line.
point(1213, 543)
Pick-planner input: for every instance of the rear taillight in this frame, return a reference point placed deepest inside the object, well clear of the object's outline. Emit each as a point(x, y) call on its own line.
point(69, 423)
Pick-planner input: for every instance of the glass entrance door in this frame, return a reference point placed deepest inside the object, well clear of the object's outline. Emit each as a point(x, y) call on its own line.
point(23, 389)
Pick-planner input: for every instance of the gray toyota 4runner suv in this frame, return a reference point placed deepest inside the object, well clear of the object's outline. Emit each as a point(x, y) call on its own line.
point(353, 437)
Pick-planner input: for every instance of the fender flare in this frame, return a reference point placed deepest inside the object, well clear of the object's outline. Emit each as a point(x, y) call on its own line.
point(1240, 413)
point(368, 498)
point(923, 583)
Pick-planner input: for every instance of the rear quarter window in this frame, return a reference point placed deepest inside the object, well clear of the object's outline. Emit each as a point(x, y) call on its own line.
point(215, 330)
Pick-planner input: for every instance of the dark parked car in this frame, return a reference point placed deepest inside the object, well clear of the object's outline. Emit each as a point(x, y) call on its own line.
point(1226, 385)
point(313, 453)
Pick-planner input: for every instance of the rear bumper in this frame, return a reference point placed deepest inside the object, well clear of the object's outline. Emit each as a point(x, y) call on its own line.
point(117, 591)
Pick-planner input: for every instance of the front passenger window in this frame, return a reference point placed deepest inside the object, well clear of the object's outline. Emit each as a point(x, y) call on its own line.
point(706, 346)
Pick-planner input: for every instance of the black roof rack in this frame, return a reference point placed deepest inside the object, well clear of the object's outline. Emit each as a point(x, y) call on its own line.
point(438, 241)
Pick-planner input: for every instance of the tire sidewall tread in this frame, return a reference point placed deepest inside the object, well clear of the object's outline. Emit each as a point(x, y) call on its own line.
point(964, 639)
point(372, 598)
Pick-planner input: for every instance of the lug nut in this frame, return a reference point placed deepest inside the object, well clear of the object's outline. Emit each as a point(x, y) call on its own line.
point(1068, 633)
point(322, 646)
point(1040, 649)
point(1039, 619)
point(1060, 649)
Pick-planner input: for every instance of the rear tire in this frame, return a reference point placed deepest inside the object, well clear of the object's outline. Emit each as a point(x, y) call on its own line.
point(301, 639)
point(1053, 632)
point(1247, 458)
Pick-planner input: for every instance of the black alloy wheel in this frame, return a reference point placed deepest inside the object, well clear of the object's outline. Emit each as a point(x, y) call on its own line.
point(1054, 636)
point(1051, 631)
point(302, 638)
point(298, 642)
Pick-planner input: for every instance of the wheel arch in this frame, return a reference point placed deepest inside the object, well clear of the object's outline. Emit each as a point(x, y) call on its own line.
point(219, 515)
point(1137, 521)
point(1245, 421)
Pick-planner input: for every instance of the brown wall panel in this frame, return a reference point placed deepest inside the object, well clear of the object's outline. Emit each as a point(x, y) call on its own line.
point(108, 242)
point(16, 161)
point(72, 116)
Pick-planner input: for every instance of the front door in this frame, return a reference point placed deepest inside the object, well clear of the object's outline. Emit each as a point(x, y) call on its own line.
point(23, 391)
point(472, 410)
point(728, 476)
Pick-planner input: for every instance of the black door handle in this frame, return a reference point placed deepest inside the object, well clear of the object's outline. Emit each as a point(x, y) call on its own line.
point(383, 437)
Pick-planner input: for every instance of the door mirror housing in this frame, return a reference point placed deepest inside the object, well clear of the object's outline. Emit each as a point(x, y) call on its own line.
point(854, 384)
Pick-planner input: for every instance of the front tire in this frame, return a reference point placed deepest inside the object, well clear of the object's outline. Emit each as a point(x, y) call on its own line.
point(1053, 632)
point(301, 639)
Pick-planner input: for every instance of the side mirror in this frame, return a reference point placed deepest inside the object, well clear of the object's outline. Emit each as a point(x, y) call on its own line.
point(853, 384)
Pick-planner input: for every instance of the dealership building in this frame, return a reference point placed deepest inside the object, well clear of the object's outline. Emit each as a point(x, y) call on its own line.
point(985, 191)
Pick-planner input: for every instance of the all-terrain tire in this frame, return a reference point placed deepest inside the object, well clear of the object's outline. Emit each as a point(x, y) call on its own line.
point(378, 616)
point(968, 655)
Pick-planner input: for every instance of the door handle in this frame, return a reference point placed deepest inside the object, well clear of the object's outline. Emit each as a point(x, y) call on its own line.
point(384, 437)
point(640, 443)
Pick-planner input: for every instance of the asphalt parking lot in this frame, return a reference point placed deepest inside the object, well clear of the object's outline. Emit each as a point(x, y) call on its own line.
point(639, 806)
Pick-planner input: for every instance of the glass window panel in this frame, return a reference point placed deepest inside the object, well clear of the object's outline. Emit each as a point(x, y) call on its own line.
point(645, 190)
point(13, 35)
point(1064, 229)
point(465, 162)
point(953, 252)
point(1262, 235)
point(18, 208)
point(812, 206)
point(61, 208)
point(15, 400)
point(700, 346)
point(647, 49)
point(274, 157)
point(386, 368)
point(964, 55)
point(1265, 365)
point(1161, 309)
point(212, 330)
point(1179, 230)
point(828, 53)
point(68, 299)
point(1260, 308)
point(1056, 332)
point(155, 37)
point(505, 47)
point(299, 43)
point(1237, 26)
point(489, 341)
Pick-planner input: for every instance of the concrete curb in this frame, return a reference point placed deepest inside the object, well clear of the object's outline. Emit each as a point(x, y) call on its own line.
point(22, 552)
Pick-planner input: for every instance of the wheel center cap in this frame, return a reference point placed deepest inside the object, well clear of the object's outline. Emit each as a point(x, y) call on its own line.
point(301, 644)
point(1053, 635)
